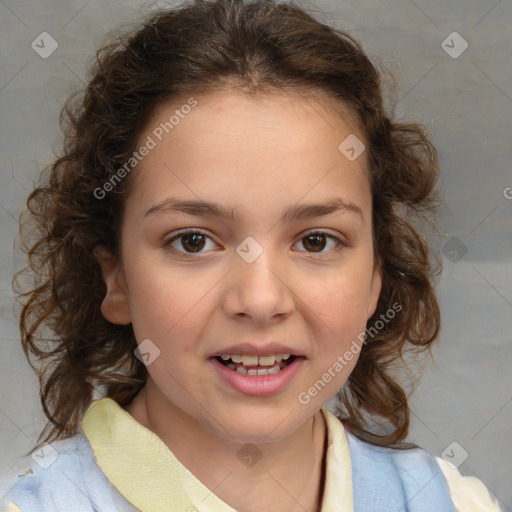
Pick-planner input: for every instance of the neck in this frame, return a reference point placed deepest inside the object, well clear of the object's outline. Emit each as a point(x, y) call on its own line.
point(288, 476)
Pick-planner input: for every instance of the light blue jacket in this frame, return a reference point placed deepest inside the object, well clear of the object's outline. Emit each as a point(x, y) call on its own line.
point(384, 480)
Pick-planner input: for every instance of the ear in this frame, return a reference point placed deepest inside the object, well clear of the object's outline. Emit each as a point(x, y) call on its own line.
point(115, 306)
point(375, 288)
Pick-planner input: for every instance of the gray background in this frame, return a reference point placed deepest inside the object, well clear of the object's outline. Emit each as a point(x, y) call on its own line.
point(465, 396)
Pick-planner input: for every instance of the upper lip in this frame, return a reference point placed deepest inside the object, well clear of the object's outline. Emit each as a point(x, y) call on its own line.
point(259, 350)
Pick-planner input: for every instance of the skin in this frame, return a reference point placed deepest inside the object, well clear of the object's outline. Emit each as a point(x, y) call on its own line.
point(259, 156)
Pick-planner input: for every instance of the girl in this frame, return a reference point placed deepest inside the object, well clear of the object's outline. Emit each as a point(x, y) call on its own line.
point(227, 242)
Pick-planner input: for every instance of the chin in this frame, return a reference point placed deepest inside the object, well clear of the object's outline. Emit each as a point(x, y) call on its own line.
point(252, 426)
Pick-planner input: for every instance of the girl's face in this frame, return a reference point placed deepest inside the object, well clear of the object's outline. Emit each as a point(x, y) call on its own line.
point(278, 260)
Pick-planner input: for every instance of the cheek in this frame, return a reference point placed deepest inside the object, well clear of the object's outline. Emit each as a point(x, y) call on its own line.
point(340, 322)
point(163, 301)
point(171, 317)
point(339, 301)
point(337, 311)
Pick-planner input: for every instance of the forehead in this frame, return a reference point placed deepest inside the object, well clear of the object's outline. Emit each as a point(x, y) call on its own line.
point(285, 145)
point(303, 119)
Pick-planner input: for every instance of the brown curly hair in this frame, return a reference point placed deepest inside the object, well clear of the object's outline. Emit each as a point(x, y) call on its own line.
point(195, 48)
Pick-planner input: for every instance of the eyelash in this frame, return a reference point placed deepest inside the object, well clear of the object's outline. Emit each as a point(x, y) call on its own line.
point(189, 231)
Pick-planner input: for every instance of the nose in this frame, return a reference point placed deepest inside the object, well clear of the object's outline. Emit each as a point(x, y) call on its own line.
point(259, 291)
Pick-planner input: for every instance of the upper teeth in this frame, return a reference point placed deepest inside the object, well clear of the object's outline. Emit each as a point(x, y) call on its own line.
point(250, 360)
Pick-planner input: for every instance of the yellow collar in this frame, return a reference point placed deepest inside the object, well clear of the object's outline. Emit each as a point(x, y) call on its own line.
point(138, 463)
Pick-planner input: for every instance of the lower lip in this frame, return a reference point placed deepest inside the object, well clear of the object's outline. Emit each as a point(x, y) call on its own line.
point(259, 385)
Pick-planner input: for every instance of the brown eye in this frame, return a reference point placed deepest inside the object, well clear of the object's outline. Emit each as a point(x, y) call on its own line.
point(193, 243)
point(188, 242)
point(316, 241)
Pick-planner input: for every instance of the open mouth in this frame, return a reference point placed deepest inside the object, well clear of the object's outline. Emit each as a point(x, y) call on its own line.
point(264, 366)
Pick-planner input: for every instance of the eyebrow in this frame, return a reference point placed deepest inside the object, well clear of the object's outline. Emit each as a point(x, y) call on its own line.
point(294, 212)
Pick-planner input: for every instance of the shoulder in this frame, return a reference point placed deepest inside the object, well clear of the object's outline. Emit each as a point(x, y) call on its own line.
point(404, 461)
point(56, 475)
point(55, 465)
point(419, 475)
point(396, 477)
point(468, 492)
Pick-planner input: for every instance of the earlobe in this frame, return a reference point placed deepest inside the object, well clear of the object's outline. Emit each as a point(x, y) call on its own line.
point(115, 306)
